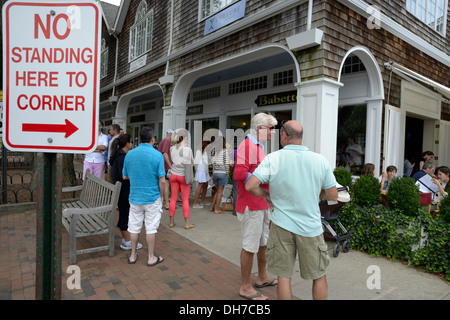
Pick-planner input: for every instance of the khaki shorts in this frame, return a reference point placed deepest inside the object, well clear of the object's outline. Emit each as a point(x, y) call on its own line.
point(283, 247)
point(255, 228)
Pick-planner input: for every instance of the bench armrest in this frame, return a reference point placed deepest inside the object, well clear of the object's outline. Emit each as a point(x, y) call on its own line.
point(72, 189)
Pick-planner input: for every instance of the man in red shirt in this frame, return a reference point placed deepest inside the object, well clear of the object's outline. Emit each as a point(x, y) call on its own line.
point(253, 212)
point(164, 148)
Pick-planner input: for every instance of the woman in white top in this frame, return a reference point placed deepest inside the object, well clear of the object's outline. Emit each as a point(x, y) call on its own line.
point(201, 174)
point(221, 166)
point(180, 154)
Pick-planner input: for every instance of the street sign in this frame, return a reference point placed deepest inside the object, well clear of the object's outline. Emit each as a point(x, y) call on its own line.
point(51, 59)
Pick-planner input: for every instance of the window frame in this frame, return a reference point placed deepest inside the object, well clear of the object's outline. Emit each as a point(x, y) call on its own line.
point(419, 9)
point(104, 59)
point(144, 26)
point(201, 4)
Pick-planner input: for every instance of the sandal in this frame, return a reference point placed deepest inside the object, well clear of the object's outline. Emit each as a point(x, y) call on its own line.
point(219, 212)
point(274, 282)
point(253, 296)
point(158, 260)
point(132, 262)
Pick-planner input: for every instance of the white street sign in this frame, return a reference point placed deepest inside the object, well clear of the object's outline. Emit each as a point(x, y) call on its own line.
point(51, 59)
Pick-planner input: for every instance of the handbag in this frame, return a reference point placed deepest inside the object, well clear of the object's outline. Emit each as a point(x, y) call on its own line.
point(228, 205)
point(188, 173)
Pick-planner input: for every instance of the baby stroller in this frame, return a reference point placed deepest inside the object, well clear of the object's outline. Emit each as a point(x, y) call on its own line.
point(330, 212)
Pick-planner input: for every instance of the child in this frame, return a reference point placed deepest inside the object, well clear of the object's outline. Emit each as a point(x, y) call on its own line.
point(387, 176)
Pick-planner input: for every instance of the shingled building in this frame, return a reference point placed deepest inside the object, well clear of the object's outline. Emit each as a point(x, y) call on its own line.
point(375, 71)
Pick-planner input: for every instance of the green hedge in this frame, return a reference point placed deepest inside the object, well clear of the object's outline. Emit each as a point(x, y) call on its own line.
point(382, 231)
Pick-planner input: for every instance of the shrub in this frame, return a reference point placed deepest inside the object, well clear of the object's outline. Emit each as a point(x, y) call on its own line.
point(382, 231)
point(366, 191)
point(444, 209)
point(403, 196)
point(435, 255)
point(343, 176)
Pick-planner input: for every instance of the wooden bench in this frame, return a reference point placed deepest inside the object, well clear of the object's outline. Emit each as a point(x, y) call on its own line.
point(94, 213)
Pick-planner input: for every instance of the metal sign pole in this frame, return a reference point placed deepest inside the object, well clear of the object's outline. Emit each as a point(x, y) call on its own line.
point(4, 180)
point(48, 227)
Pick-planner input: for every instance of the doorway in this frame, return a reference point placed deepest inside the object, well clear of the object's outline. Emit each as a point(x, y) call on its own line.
point(351, 137)
point(413, 137)
point(133, 130)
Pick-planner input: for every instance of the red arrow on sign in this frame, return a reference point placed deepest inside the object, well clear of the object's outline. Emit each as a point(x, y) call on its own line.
point(69, 128)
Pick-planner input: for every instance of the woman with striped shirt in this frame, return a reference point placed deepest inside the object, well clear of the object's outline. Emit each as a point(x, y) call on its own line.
point(221, 166)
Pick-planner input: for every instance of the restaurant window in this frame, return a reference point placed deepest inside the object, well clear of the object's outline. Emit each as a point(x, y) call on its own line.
point(209, 93)
point(283, 78)
point(247, 85)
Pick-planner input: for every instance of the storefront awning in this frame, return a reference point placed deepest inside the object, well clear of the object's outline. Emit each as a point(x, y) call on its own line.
point(438, 90)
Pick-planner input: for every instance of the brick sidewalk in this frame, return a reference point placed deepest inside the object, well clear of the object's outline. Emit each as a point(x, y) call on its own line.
point(189, 272)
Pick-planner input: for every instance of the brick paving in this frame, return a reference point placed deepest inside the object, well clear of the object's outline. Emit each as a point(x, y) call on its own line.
point(189, 272)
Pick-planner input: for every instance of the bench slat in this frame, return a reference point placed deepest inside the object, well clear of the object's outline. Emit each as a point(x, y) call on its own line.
point(91, 224)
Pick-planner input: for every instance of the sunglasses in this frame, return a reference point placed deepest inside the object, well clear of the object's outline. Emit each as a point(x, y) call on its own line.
point(282, 126)
point(267, 127)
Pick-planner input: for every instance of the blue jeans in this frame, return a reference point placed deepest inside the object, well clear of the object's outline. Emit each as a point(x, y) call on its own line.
point(220, 179)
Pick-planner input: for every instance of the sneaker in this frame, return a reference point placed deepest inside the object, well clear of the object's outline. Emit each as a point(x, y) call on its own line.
point(197, 207)
point(127, 246)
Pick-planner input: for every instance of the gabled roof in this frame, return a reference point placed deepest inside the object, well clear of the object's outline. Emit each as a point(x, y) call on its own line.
point(114, 16)
point(109, 12)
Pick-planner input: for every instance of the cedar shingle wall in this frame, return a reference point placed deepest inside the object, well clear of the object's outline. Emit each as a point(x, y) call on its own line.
point(343, 29)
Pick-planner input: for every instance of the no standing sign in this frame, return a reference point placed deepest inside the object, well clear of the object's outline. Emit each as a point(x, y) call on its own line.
point(51, 63)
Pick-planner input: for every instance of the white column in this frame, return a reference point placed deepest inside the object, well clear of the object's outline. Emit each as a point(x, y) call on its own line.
point(317, 111)
point(174, 118)
point(373, 133)
point(121, 121)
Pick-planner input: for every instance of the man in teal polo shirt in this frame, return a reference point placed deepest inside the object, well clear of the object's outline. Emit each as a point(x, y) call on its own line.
point(144, 166)
point(297, 177)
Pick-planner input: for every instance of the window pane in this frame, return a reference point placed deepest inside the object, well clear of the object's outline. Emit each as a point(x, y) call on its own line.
point(132, 43)
point(210, 7)
point(149, 32)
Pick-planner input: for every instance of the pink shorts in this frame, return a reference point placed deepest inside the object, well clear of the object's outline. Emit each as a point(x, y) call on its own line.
point(95, 169)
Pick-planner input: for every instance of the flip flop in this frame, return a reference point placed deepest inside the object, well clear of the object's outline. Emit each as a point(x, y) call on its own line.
point(219, 212)
point(158, 260)
point(252, 296)
point(266, 284)
point(132, 262)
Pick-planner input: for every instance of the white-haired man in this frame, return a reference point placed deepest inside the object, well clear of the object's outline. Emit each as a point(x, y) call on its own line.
point(253, 213)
